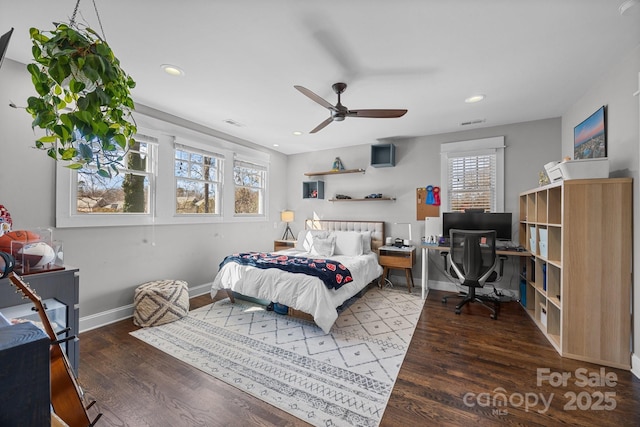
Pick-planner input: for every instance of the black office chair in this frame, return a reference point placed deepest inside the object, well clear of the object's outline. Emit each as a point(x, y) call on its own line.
point(473, 262)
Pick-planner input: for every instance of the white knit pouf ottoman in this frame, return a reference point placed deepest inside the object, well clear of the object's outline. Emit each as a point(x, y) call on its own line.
point(159, 302)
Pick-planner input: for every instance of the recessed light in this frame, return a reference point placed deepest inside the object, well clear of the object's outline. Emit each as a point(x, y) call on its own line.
point(474, 98)
point(297, 133)
point(276, 145)
point(172, 70)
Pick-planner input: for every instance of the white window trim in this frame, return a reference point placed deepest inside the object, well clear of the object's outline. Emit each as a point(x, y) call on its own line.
point(190, 147)
point(163, 201)
point(472, 147)
point(66, 198)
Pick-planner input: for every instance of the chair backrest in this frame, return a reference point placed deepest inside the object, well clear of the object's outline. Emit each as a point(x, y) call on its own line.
point(472, 255)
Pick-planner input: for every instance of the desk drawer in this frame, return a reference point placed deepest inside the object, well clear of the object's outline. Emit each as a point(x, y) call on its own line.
point(399, 261)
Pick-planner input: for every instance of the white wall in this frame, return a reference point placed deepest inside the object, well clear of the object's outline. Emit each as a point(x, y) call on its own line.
point(529, 146)
point(615, 90)
point(114, 260)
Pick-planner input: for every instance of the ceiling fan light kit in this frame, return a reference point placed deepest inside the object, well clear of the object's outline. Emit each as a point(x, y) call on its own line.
point(339, 112)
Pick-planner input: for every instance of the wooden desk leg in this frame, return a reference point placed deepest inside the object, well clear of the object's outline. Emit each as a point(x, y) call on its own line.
point(383, 279)
point(407, 272)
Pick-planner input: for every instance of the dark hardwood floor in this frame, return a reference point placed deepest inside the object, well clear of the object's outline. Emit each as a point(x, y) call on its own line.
point(456, 373)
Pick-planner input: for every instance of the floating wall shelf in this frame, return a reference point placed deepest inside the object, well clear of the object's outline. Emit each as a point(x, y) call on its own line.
point(371, 199)
point(334, 172)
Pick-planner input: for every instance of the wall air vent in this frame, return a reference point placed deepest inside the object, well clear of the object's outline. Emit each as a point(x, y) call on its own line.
point(473, 122)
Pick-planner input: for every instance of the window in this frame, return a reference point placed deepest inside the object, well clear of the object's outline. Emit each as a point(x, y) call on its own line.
point(128, 191)
point(174, 175)
point(198, 178)
point(472, 182)
point(473, 174)
point(249, 180)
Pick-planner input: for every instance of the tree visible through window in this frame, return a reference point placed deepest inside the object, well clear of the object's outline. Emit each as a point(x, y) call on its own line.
point(198, 180)
point(249, 180)
point(124, 192)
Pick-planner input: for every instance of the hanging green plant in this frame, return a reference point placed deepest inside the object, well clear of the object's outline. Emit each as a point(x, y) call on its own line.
point(84, 100)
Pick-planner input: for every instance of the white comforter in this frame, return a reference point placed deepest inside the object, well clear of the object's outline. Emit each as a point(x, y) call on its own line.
point(299, 291)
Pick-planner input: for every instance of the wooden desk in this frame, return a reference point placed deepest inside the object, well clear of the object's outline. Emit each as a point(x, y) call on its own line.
point(425, 262)
point(404, 258)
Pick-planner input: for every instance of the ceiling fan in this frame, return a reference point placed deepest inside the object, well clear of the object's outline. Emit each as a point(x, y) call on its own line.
point(339, 112)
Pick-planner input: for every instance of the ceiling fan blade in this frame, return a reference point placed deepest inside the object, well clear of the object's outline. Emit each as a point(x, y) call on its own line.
point(322, 125)
point(314, 97)
point(377, 114)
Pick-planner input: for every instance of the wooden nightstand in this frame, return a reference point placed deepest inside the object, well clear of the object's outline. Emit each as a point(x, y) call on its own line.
point(279, 245)
point(391, 257)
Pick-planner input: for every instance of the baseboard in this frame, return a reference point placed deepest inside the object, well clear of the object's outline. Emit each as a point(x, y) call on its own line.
point(635, 365)
point(443, 286)
point(195, 291)
point(104, 318)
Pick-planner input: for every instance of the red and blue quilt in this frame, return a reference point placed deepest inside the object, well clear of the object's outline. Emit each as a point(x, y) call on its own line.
point(332, 273)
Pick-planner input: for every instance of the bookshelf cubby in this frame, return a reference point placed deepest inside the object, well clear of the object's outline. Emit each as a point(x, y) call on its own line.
point(577, 290)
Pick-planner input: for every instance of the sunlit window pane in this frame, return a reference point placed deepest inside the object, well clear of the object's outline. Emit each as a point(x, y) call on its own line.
point(193, 197)
point(247, 201)
point(198, 180)
point(249, 180)
point(128, 191)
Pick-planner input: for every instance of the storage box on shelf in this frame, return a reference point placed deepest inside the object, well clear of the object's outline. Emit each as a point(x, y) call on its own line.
point(383, 155)
point(313, 189)
point(577, 282)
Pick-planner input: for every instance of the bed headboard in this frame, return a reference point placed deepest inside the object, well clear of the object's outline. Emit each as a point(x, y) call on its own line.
point(376, 228)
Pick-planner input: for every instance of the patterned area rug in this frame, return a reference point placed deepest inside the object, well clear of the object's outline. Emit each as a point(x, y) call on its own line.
point(343, 378)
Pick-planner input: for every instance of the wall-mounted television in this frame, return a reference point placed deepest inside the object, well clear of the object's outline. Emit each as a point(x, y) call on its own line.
point(4, 43)
point(590, 137)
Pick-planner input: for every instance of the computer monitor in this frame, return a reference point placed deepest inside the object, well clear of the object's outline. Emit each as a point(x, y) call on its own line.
point(499, 221)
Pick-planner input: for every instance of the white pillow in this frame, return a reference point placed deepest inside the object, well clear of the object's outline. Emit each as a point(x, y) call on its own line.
point(306, 237)
point(348, 243)
point(323, 246)
point(366, 242)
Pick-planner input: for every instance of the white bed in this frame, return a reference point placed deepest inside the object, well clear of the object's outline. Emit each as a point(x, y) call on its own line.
point(308, 293)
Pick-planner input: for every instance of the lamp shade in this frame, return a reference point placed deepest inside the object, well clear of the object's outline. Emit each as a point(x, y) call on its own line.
point(286, 216)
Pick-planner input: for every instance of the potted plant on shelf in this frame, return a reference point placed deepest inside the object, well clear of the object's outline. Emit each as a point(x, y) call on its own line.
point(84, 102)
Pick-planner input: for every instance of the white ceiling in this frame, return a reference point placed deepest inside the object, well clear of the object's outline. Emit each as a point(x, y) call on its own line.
point(532, 59)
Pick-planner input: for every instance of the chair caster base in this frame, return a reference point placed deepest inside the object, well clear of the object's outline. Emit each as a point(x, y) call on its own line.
point(457, 311)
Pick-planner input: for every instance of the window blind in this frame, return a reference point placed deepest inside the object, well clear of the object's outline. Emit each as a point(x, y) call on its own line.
point(472, 182)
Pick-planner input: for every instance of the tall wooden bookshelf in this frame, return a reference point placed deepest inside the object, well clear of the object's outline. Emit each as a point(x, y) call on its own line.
point(578, 279)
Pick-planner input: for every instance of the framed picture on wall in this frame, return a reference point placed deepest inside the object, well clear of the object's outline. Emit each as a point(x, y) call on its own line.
point(590, 137)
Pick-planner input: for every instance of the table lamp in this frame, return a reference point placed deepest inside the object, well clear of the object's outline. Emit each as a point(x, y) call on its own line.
point(287, 216)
